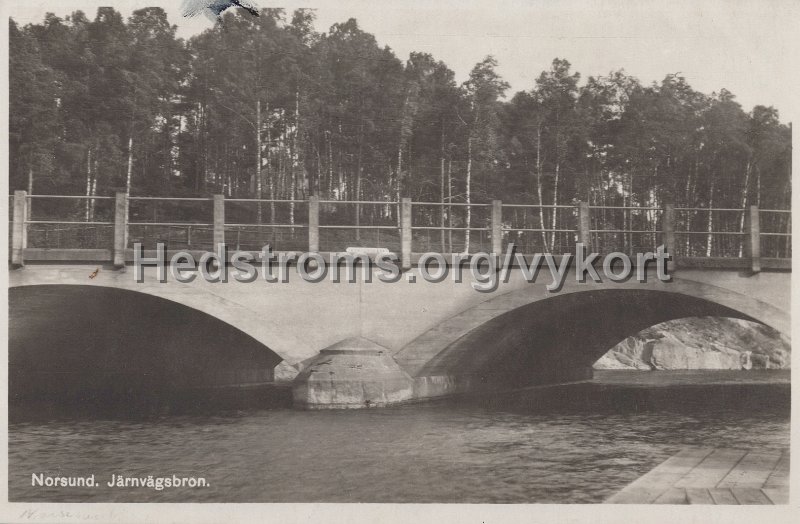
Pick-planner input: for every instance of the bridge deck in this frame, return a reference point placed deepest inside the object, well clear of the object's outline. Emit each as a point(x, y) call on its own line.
point(712, 476)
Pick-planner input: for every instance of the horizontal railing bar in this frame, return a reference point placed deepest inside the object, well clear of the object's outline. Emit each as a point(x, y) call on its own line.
point(709, 233)
point(440, 228)
point(629, 207)
point(77, 197)
point(776, 234)
point(176, 199)
point(732, 210)
point(69, 222)
point(332, 226)
point(643, 231)
point(533, 230)
point(370, 202)
point(775, 210)
point(266, 225)
point(267, 201)
point(445, 204)
point(536, 206)
point(182, 224)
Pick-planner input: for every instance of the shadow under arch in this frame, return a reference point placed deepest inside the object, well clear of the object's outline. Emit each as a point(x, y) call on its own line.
point(558, 338)
point(86, 342)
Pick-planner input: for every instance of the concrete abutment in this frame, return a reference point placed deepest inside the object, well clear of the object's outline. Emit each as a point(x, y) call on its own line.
point(351, 374)
point(358, 373)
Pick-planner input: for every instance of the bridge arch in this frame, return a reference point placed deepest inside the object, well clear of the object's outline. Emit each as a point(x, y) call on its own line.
point(529, 335)
point(202, 298)
point(79, 340)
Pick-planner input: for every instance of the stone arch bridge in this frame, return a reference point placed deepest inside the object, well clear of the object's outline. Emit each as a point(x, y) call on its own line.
point(446, 336)
point(79, 319)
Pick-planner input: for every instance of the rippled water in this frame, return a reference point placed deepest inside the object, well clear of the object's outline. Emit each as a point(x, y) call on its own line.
point(512, 449)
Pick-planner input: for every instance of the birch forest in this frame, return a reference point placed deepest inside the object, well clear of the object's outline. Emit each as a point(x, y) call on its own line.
point(268, 108)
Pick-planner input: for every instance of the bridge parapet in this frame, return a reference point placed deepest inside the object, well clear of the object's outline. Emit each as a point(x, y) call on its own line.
point(103, 228)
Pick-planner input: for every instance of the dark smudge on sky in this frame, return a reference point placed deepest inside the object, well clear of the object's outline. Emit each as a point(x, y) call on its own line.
point(214, 8)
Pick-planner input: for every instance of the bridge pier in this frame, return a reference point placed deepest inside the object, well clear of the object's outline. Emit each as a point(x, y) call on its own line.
point(358, 373)
point(351, 374)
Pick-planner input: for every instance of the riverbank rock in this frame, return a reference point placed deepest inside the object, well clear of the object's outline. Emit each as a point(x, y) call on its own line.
point(670, 356)
point(701, 343)
point(631, 353)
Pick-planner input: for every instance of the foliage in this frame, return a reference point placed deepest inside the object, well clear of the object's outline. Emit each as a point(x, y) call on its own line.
point(265, 106)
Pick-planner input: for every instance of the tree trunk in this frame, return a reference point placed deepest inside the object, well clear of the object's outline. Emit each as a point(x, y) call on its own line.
point(449, 206)
point(30, 191)
point(204, 145)
point(441, 190)
point(554, 221)
point(468, 195)
point(330, 164)
point(692, 179)
point(270, 173)
point(258, 159)
point(758, 185)
point(650, 214)
point(88, 182)
point(629, 225)
point(398, 179)
point(292, 179)
point(786, 218)
point(627, 202)
point(340, 169)
point(539, 183)
point(94, 188)
point(358, 180)
point(295, 154)
point(130, 166)
point(745, 191)
point(316, 186)
point(279, 182)
point(710, 227)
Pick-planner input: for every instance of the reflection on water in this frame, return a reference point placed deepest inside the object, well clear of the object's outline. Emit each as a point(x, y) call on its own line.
point(532, 446)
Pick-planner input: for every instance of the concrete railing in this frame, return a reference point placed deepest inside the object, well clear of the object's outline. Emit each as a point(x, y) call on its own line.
point(496, 227)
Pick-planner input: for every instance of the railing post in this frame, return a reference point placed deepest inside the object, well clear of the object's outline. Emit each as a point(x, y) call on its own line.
point(584, 225)
point(668, 232)
point(752, 238)
point(18, 232)
point(313, 223)
point(405, 232)
point(219, 220)
point(497, 227)
point(120, 229)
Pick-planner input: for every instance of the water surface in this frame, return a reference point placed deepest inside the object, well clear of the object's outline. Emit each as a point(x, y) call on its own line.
point(523, 448)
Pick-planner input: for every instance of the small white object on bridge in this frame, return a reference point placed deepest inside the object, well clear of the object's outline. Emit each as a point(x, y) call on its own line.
point(371, 252)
